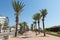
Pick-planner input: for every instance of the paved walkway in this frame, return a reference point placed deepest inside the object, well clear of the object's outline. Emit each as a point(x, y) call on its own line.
point(31, 36)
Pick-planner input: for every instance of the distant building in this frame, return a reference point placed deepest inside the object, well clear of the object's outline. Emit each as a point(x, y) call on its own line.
point(3, 21)
point(54, 28)
point(12, 28)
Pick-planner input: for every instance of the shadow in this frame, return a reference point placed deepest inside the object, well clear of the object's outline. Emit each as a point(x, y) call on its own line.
point(15, 37)
point(43, 36)
point(26, 37)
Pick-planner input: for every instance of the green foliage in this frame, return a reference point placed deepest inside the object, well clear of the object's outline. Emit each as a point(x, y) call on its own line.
point(0, 25)
point(34, 17)
point(44, 12)
point(23, 27)
point(48, 29)
point(38, 16)
point(31, 27)
point(58, 32)
point(18, 6)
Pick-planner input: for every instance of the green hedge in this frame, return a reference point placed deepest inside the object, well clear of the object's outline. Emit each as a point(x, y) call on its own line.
point(58, 32)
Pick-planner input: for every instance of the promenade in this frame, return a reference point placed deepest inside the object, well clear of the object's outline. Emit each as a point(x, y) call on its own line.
point(31, 36)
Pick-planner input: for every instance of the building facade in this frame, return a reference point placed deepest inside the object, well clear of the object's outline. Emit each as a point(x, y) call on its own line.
point(4, 21)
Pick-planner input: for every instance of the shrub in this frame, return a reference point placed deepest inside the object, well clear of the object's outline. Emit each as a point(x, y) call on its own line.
point(58, 32)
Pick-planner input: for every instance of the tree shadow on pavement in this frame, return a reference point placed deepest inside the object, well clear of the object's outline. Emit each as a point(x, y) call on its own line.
point(26, 37)
point(43, 36)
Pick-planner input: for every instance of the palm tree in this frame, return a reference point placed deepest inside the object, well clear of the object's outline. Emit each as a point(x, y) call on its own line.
point(17, 6)
point(38, 18)
point(0, 27)
point(21, 28)
point(35, 20)
point(31, 27)
point(25, 26)
point(44, 13)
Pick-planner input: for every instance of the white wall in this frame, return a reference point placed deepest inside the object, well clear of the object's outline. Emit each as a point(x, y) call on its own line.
point(2, 20)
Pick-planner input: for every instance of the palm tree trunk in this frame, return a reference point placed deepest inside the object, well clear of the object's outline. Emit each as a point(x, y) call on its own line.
point(35, 28)
point(16, 25)
point(43, 27)
point(39, 26)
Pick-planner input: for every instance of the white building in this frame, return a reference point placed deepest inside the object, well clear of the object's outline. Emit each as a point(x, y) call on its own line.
point(3, 21)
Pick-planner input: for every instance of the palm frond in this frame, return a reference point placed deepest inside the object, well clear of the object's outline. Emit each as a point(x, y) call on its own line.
point(18, 6)
point(44, 12)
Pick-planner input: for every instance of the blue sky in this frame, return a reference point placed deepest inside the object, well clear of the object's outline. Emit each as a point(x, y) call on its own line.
point(31, 8)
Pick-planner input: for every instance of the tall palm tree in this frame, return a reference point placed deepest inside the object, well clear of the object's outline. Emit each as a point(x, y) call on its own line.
point(38, 15)
point(0, 27)
point(35, 21)
point(17, 6)
point(44, 13)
